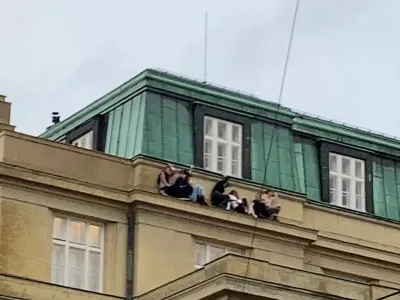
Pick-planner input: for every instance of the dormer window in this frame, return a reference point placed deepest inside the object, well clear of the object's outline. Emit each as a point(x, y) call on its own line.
point(222, 147)
point(84, 141)
point(347, 181)
point(222, 142)
point(346, 177)
point(90, 135)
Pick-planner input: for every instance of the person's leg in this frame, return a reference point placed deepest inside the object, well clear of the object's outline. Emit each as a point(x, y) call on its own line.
point(197, 191)
point(216, 198)
point(270, 211)
point(224, 200)
point(185, 191)
point(240, 209)
point(258, 208)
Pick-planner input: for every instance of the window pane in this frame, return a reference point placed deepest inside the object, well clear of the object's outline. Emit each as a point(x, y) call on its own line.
point(76, 263)
point(333, 182)
point(94, 236)
point(221, 150)
point(359, 171)
point(94, 271)
point(359, 202)
point(207, 146)
point(215, 252)
point(359, 188)
point(222, 130)
point(207, 162)
point(345, 191)
point(59, 228)
point(200, 254)
point(83, 141)
point(235, 133)
point(235, 168)
point(208, 127)
point(333, 162)
point(332, 188)
point(235, 153)
point(221, 165)
point(58, 258)
point(58, 264)
point(345, 166)
point(77, 232)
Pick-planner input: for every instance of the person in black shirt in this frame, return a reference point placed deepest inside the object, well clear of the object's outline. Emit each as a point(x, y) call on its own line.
point(218, 197)
point(181, 188)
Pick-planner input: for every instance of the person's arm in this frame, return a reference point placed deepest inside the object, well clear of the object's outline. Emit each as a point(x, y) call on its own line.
point(163, 179)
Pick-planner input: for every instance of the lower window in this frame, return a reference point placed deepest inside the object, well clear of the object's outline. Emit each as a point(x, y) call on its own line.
point(206, 253)
point(77, 253)
point(346, 181)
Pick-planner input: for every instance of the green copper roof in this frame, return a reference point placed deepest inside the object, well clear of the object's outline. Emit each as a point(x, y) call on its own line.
point(229, 99)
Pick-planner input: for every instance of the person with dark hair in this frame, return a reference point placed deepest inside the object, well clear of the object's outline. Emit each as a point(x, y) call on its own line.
point(218, 197)
point(261, 206)
point(181, 188)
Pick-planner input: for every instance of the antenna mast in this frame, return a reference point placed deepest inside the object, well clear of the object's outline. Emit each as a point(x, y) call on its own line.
point(205, 46)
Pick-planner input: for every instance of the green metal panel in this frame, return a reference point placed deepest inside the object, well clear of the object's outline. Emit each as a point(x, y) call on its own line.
point(109, 131)
point(386, 188)
point(311, 170)
point(125, 128)
point(275, 145)
point(299, 167)
point(168, 132)
point(140, 121)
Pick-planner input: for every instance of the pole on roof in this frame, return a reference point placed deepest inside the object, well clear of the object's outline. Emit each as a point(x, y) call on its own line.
point(205, 46)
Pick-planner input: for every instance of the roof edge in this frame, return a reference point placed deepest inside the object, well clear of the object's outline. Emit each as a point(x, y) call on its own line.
point(95, 107)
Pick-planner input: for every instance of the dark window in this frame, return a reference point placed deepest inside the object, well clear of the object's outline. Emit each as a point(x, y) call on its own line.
point(222, 141)
point(346, 177)
point(90, 135)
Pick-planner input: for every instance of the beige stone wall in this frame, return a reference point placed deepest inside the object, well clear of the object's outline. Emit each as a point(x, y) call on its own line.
point(26, 225)
point(39, 178)
point(25, 289)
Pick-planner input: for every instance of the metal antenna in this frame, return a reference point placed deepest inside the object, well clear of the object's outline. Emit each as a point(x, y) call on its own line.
point(289, 49)
point(205, 46)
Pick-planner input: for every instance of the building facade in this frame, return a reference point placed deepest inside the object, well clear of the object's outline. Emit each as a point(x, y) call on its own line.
point(81, 216)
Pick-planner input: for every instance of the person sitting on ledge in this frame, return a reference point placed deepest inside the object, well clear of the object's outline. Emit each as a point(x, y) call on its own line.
point(180, 185)
point(166, 177)
point(261, 206)
point(218, 197)
point(237, 204)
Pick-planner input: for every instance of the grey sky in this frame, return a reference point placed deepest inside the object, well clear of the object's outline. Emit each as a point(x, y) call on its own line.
point(62, 55)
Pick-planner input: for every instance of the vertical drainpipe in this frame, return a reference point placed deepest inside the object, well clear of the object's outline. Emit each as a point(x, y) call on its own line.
point(130, 268)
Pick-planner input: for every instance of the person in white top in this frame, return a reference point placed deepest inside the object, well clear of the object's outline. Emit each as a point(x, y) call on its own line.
point(236, 204)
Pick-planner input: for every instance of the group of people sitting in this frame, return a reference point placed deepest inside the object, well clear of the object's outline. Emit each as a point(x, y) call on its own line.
point(178, 184)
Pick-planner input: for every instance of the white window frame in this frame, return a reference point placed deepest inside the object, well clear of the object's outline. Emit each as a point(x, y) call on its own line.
point(208, 249)
point(68, 244)
point(229, 143)
point(84, 141)
point(338, 175)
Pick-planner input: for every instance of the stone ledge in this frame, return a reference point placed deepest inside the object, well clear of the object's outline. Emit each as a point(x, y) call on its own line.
point(22, 288)
point(256, 278)
point(191, 211)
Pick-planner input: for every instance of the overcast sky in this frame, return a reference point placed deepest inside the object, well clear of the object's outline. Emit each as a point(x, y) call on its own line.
point(62, 55)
